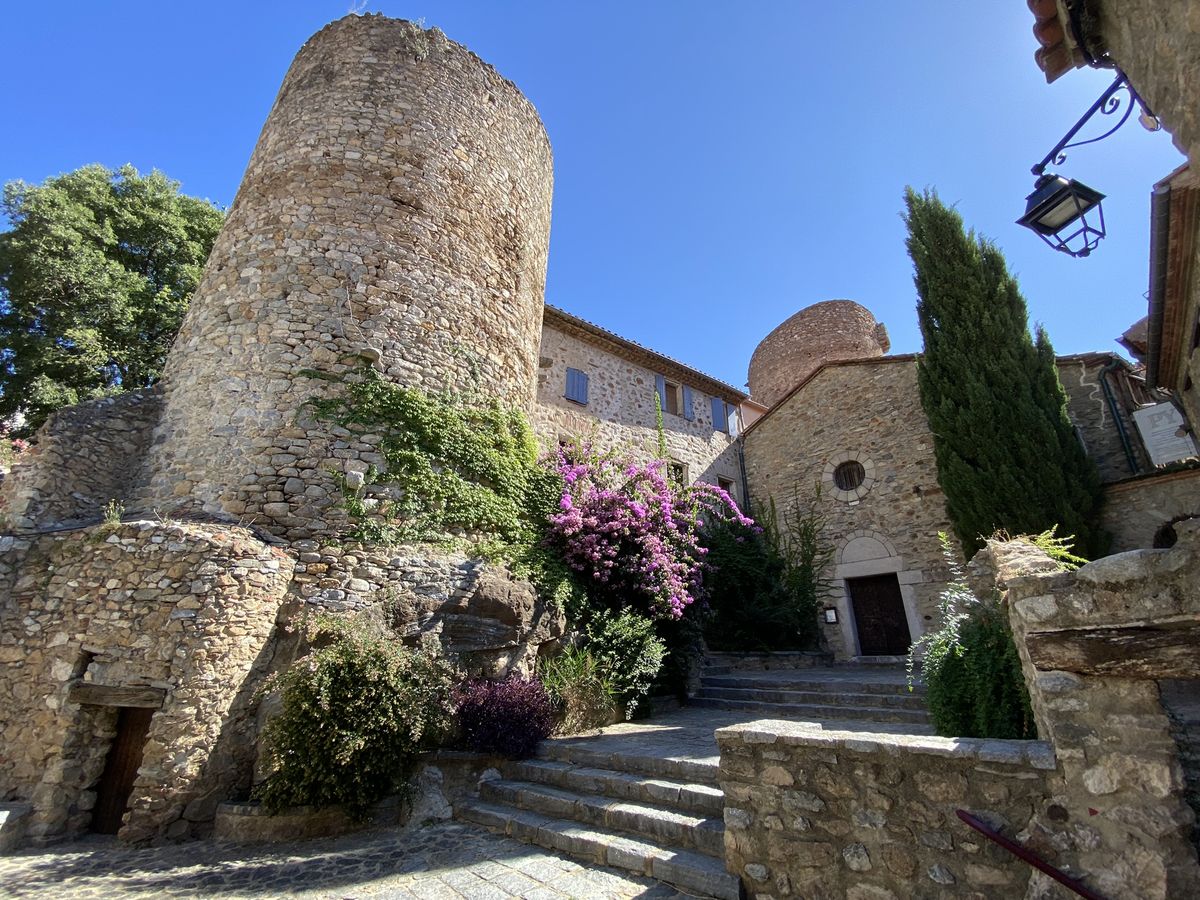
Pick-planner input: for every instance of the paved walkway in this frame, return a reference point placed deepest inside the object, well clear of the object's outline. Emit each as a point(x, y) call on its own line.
point(449, 860)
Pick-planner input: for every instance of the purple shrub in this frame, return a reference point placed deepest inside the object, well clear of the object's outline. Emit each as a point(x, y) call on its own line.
point(507, 718)
point(629, 531)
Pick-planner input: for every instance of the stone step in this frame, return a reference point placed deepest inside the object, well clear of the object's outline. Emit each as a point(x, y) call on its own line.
point(640, 820)
point(691, 771)
point(687, 870)
point(776, 660)
point(819, 698)
point(807, 712)
point(705, 799)
point(893, 687)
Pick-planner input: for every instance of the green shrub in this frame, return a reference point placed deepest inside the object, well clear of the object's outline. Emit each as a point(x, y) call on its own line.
point(356, 712)
point(971, 669)
point(764, 586)
point(628, 651)
point(581, 688)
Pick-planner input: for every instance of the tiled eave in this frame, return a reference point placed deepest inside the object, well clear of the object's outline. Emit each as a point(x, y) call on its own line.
point(1057, 52)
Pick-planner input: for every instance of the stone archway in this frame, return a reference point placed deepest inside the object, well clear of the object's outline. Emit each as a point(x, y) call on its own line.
point(867, 553)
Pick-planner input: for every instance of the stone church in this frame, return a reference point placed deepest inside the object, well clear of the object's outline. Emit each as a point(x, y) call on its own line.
point(395, 212)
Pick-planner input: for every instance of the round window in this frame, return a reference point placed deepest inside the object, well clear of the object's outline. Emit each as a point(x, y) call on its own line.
point(849, 475)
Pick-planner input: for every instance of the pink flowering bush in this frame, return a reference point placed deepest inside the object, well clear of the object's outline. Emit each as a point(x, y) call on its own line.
point(630, 533)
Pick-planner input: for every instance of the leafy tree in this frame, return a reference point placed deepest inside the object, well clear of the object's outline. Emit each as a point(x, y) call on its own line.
point(1007, 455)
point(95, 274)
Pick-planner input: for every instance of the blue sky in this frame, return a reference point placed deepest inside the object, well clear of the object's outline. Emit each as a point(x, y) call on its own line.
point(717, 167)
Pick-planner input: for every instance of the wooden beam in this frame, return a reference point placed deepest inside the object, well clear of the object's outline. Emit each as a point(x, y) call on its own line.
point(114, 695)
point(1170, 650)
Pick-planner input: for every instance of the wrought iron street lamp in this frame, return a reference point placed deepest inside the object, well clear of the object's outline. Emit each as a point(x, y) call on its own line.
point(1057, 211)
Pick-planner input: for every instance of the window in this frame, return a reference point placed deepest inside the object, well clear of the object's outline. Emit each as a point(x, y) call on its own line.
point(849, 475)
point(671, 392)
point(577, 386)
point(724, 416)
point(678, 472)
point(726, 484)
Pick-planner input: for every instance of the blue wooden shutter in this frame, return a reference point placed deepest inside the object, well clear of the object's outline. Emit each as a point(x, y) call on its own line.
point(687, 403)
point(733, 420)
point(577, 386)
point(660, 385)
point(720, 423)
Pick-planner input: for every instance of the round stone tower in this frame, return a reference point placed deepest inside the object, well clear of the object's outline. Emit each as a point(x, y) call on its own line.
point(830, 331)
point(396, 211)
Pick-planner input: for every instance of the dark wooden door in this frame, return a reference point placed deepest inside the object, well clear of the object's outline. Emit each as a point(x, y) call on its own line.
point(120, 768)
point(879, 615)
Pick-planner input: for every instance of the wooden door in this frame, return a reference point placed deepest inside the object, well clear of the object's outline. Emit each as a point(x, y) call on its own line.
point(879, 615)
point(120, 768)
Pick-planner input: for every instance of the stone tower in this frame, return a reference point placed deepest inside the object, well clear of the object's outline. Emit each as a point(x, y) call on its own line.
point(396, 210)
point(825, 332)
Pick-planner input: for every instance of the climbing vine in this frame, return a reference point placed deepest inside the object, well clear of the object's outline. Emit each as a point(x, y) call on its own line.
point(455, 472)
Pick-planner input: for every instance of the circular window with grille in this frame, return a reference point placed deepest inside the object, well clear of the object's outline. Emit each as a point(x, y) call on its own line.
point(848, 476)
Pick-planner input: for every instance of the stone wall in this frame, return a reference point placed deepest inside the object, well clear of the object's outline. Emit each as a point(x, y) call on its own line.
point(1158, 46)
point(491, 623)
point(85, 456)
point(1092, 415)
point(834, 814)
point(1136, 509)
point(821, 333)
point(93, 617)
point(620, 410)
point(869, 411)
point(396, 211)
point(1095, 645)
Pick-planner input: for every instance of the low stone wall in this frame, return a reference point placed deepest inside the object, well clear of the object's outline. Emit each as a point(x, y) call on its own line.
point(1136, 509)
point(83, 457)
point(113, 616)
point(823, 814)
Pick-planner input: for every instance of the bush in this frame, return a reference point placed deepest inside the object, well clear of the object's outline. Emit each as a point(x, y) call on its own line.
point(507, 718)
point(975, 687)
point(630, 533)
point(629, 653)
point(581, 688)
point(765, 584)
point(356, 712)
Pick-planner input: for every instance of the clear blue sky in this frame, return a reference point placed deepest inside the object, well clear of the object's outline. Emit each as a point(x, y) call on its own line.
point(717, 167)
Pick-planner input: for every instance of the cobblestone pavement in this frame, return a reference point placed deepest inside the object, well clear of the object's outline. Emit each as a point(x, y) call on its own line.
point(447, 860)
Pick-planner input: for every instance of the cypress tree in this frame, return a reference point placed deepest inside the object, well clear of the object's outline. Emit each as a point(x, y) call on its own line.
point(1007, 455)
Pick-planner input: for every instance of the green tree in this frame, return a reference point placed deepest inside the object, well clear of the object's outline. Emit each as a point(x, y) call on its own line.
point(95, 274)
point(1007, 455)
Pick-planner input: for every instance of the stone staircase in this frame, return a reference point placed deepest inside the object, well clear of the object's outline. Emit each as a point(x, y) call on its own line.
point(650, 815)
point(855, 697)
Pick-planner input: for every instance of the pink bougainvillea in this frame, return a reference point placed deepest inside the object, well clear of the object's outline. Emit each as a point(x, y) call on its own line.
point(630, 531)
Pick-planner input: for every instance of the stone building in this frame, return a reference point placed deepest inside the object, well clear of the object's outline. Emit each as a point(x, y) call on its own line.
point(395, 213)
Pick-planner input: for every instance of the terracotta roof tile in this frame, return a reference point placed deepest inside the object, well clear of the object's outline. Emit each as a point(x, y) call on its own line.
point(1057, 54)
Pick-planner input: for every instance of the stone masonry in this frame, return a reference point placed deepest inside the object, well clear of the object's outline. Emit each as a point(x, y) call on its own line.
point(85, 456)
point(620, 407)
point(890, 524)
point(396, 212)
point(181, 613)
point(818, 334)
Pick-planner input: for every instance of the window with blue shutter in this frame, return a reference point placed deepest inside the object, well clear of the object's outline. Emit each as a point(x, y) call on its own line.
point(577, 386)
point(719, 418)
point(688, 412)
point(660, 385)
point(731, 421)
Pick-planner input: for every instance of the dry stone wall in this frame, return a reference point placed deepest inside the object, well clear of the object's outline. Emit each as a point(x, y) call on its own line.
point(620, 410)
point(185, 612)
point(867, 411)
point(821, 333)
point(85, 456)
point(833, 814)
point(396, 212)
